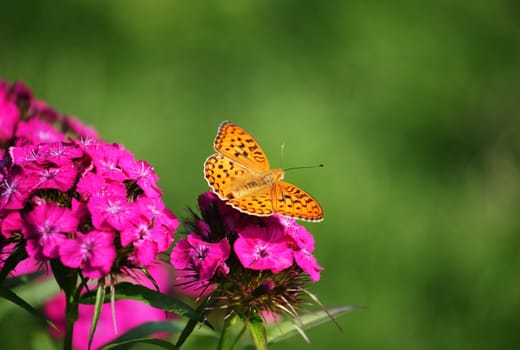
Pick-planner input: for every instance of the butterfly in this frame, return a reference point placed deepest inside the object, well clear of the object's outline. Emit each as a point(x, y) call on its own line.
point(239, 173)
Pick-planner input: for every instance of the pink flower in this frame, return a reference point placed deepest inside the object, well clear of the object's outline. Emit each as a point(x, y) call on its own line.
point(93, 253)
point(155, 209)
point(60, 153)
point(263, 248)
point(143, 174)
point(303, 246)
point(91, 184)
point(147, 239)
point(37, 131)
point(25, 154)
point(45, 228)
point(307, 262)
point(203, 257)
point(15, 188)
point(161, 222)
point(60, 178)
point(106, 159)
point(111, 210)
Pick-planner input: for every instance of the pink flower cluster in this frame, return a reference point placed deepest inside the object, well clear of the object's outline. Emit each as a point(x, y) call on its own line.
point(88, 203)
point(224, 236)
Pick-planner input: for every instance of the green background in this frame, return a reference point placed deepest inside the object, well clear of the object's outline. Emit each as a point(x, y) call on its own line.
point(412, 106)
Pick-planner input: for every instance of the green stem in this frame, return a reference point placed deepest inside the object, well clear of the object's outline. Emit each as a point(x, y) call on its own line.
point(67, 279)
point(237, 338)
point(71, 315)
point(228, 323)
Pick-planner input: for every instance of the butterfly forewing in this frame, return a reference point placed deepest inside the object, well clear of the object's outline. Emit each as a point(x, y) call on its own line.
point(238, 145)
point(290, 200)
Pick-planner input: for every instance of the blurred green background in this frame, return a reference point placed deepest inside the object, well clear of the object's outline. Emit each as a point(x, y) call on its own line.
point(413, 107)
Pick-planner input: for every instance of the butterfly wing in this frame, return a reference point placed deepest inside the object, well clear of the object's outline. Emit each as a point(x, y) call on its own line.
point(292, 201)
point(239, 146)
point(259, 204)
point(221, 173)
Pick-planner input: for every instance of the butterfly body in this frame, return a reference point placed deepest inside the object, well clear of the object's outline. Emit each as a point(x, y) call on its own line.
point(240, 175)
point(253, 184)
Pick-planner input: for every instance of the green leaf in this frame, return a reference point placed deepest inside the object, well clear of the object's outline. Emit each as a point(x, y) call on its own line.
point(13, 297)
point(124, 345)
point(100, 296)
point(256, 327)
point(180, 324)
point(145, 330)
point(289, 328)
point(41, 340)
point(190, 325)
point(229, 322)
point(36, 294)
point(126, 290)
point(16, 281)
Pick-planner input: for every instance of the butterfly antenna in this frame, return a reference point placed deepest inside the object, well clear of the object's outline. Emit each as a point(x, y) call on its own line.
point(306, 167)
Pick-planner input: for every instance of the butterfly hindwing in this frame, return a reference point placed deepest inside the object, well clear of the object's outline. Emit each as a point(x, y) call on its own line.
point(220, 172)
point(290, 200)
point(259, 204)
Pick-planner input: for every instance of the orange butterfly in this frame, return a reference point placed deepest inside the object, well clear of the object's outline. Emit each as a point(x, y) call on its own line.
point(240, 175)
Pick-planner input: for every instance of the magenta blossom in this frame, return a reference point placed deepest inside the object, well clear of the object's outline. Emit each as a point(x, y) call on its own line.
point(45, 229)
point(204, 258)
point(37, 131)
point(111, 211)
point(146, 238)
point(15, 189)
point(59, 153)
point(59, 178)
point(106, 158)
point(143, 174)
point(303, 246)
point(263, 248)
point(93, 253)
point(308, 263)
